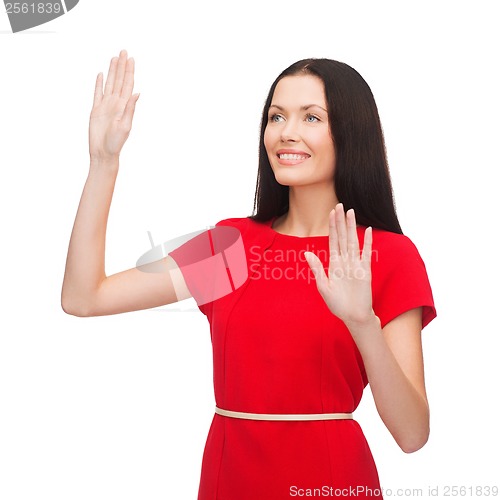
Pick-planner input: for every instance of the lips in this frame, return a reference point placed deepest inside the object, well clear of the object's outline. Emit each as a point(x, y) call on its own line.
point(291, 156)
point(288, 156)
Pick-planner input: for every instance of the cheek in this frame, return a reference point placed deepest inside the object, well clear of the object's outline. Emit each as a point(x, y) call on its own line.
point(268, 138)
point(325, 145)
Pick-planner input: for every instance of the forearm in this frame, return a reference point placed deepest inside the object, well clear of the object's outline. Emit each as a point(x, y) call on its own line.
point(403, 409)
point(86, 252)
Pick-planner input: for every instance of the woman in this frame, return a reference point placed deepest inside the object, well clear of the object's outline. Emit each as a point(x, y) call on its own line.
point(316, 320)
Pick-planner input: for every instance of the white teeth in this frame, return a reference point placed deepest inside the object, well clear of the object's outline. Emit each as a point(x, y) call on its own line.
point(288, 156)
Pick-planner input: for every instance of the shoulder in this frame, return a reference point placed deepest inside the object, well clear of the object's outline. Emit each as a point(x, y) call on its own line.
point(393, 252)
point(233, 221)
point(244, 224)
point(393, 244)
point(388, 238)
point(256, 236)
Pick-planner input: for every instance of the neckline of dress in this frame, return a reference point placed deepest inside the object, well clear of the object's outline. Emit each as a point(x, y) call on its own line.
point(270, 224)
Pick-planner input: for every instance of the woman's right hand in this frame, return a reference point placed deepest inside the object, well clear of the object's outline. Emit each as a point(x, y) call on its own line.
point(113, 110)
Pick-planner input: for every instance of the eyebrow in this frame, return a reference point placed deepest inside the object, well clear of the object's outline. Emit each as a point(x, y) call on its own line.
point(302, 108)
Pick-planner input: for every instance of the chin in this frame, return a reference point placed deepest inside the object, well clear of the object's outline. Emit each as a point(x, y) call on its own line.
point(293, 180)
point(288, 178)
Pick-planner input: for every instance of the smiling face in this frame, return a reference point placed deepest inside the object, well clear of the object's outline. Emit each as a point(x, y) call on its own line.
point(297, 136)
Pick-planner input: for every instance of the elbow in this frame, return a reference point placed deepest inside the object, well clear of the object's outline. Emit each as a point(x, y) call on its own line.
point(73, 308)
point(413, 443)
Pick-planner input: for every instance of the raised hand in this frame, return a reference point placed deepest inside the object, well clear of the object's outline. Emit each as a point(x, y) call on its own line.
point(347, 288)
point(113, 110)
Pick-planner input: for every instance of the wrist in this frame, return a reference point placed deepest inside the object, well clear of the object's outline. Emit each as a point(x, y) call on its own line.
point(361, 326)
point(104, 162)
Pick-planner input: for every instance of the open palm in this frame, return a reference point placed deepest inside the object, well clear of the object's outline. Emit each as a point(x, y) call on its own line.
point(347, 288)
point(113, 109)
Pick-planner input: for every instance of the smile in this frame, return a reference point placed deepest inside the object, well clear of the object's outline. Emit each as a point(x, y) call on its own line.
point(288, 156)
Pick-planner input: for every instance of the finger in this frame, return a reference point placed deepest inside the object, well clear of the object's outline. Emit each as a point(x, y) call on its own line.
point(120, 73)
point(98, 90)
point(341, 229)
point(367, 246)
point(128, 83)
point(317, 269)
point(110, 80)
point(352, 236)
point(333, 242)
point(128, 114)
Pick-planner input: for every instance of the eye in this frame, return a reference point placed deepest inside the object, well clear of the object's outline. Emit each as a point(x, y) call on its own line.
point(314, 118)
point(274, 118)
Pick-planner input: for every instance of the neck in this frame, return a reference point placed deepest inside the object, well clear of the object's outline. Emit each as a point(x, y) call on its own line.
point(309, 208)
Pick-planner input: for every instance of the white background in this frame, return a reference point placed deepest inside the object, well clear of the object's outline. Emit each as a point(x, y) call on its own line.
point(119, 407)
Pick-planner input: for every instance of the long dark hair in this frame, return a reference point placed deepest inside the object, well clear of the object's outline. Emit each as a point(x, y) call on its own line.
point(361, 176)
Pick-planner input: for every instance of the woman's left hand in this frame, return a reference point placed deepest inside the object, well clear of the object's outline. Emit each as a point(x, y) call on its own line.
point(347, 289)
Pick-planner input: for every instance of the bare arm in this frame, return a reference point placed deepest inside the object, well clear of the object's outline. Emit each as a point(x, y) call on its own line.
point(86, 290)
point(392, 356)
point(395, 370)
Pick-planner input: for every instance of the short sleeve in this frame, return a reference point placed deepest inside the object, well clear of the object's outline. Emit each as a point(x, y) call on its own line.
point(399, 278)
point(213, 264)
point(183, 255)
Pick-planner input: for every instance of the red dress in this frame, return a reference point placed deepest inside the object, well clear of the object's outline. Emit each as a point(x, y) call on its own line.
point(277, 348)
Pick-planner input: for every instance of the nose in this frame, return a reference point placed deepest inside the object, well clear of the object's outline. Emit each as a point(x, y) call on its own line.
point(289, 131)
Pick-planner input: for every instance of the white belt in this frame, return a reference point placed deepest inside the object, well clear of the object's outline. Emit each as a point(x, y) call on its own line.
point(283, 416)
